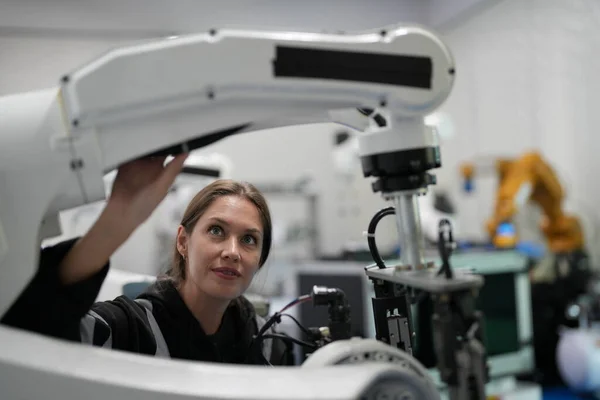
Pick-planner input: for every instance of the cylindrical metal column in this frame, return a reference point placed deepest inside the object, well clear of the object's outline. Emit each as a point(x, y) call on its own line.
point(408, 221)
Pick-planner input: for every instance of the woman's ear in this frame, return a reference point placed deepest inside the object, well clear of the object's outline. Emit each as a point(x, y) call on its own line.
point(182, 241)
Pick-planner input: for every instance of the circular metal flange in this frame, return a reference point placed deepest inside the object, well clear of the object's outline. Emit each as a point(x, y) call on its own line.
point(414, 383)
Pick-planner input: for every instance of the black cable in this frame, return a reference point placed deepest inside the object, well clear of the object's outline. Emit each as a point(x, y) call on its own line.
point(288, 350)
point(302, 327)
point(287, 340)
point(371, 234)
point(267, 362)
point(283, 337)
point(445, 244)
point(298, 300)
point(276, 318)
point(366, 111)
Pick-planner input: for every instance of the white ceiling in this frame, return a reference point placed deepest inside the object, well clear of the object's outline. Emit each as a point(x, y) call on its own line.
point(147, 18)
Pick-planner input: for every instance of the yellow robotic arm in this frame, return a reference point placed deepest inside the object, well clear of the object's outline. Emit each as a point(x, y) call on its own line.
point(531, 178)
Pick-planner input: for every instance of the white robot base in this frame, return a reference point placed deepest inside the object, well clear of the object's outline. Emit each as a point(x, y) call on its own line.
point(415, 382)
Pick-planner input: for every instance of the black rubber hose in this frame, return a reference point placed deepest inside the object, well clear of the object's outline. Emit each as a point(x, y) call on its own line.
point(371, 234)
point(289, 339)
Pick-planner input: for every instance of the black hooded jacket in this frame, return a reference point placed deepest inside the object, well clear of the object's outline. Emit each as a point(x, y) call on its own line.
point(156, 323)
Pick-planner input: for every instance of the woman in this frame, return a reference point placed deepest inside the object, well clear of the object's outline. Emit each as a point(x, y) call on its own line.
point(197, 312)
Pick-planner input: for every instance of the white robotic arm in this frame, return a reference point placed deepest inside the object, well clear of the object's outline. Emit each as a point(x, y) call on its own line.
point(177, 95)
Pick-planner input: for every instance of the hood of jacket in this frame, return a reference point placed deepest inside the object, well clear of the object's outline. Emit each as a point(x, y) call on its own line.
point(184, 335)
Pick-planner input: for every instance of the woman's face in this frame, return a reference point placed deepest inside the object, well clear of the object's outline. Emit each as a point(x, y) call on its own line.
point(223, 251)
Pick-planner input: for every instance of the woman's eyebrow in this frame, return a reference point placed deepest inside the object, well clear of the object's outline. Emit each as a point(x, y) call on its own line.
point(219, 220)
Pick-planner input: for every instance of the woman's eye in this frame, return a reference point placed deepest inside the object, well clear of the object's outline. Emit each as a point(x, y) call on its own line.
point(249, 239)
point(215, 230)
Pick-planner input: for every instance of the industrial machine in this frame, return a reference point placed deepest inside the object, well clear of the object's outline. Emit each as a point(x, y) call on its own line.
point(434, 205)
point(179, 94)
point(561, 276)
point(527, 178)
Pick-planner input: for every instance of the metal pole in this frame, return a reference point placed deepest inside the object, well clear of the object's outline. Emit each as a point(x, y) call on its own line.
point(408, 222)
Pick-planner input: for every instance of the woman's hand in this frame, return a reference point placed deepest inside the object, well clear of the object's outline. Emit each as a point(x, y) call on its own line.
point(138, 189)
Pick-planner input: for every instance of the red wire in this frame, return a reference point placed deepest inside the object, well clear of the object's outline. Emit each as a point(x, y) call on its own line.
point(299, 300)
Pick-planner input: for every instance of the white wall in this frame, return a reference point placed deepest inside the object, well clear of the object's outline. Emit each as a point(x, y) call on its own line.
point(527, 78)
point(445, 15)
point(32, 62)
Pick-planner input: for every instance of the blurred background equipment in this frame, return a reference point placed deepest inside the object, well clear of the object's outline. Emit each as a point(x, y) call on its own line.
point(560, 267)
point(578, 351)
point(521, 180)
point(294, 206)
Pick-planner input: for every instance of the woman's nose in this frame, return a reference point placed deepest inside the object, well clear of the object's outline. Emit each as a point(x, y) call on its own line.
point(231, 250)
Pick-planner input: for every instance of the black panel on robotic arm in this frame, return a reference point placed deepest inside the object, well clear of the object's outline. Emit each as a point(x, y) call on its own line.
point(410, 71)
